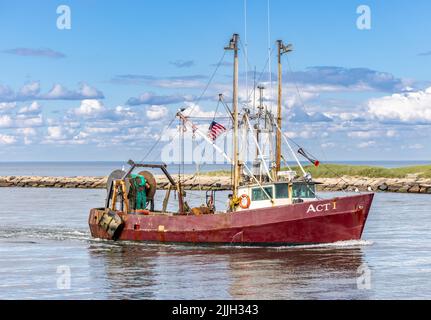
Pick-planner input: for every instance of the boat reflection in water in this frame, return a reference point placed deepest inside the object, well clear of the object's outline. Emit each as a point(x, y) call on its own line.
point(152, 271)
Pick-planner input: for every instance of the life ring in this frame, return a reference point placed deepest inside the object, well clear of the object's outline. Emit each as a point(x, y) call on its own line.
point(244, 198)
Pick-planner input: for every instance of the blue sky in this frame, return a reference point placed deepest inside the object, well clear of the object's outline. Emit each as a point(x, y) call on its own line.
point(106, 88)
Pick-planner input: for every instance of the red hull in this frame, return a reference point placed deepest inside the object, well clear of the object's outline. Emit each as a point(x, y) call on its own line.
point(322, 221)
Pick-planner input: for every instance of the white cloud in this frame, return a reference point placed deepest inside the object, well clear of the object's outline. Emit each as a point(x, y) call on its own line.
point(29, 121)
point(124, 112)
point(6, 139)
point(6, 94)
point(416, 146)
point(30, 90)
point(82, 135)
point(5, 106)
point(88, 91)
point(59, 92)
point(405, 107)
point(328, 145)
point(55, 133)
point(32, 108)
point(27, 140)
point(367, 144)
point(194, 110)
point(362, 134)
point(89, 107)
point(101, 130)
point(27, 131)
point(391, 133)
point(345, 116)
point(156, 112)
point(5, 121)
point(304, 134)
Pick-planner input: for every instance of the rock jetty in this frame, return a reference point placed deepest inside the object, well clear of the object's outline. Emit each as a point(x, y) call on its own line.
point(205, 182)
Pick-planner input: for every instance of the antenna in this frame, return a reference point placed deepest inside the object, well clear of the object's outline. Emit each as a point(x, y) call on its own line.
point(254, 91)
point(269, 50)
point(246, 49)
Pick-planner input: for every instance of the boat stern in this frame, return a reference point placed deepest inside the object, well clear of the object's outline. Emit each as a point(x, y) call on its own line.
point(105, 223)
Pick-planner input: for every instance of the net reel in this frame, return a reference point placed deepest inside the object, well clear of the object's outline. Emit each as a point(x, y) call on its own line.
point(133, 192)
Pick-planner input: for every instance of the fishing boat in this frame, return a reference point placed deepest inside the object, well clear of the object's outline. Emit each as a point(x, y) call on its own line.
point(267, 205)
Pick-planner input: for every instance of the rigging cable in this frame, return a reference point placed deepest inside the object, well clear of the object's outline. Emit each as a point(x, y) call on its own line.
point(261, 73)
point(160, 138)
point(195, 102)
point(303, 106)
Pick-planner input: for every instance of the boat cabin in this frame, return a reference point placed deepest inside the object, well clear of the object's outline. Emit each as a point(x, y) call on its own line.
point(276, 194)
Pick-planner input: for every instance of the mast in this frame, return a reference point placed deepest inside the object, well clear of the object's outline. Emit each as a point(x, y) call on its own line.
point(233, 45)
point(260, 112)
point(258, 160)
point(282, 49)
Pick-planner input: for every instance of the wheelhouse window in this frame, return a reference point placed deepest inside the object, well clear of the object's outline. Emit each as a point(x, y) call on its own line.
point(257, 194)
point(281, 191)
point(304, 191)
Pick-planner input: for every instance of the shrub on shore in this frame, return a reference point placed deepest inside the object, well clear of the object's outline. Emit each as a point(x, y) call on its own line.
point(336, 170)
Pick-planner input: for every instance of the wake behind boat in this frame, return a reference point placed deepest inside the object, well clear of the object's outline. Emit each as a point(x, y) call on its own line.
point(267, 206)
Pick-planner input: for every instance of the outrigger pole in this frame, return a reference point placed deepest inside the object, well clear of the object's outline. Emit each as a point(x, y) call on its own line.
point(291, 150)
point(233, 45)
point(282, 49)
point(203, 135)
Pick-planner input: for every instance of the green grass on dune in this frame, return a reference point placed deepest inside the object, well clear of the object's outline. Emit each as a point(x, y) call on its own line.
point(220, 173)
point(337, 170)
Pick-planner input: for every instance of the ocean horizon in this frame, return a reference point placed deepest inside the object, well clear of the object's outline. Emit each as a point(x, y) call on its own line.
point(103, 168)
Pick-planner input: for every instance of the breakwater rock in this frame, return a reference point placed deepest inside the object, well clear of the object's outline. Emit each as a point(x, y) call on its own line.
point(53, 182)
point(400, 185)
point(203, 182)
point(190, 182)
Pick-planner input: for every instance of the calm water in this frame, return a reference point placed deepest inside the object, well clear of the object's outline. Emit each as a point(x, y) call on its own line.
point(44, 231)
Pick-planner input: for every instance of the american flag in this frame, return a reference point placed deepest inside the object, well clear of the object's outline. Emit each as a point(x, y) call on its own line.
point(215, 130)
